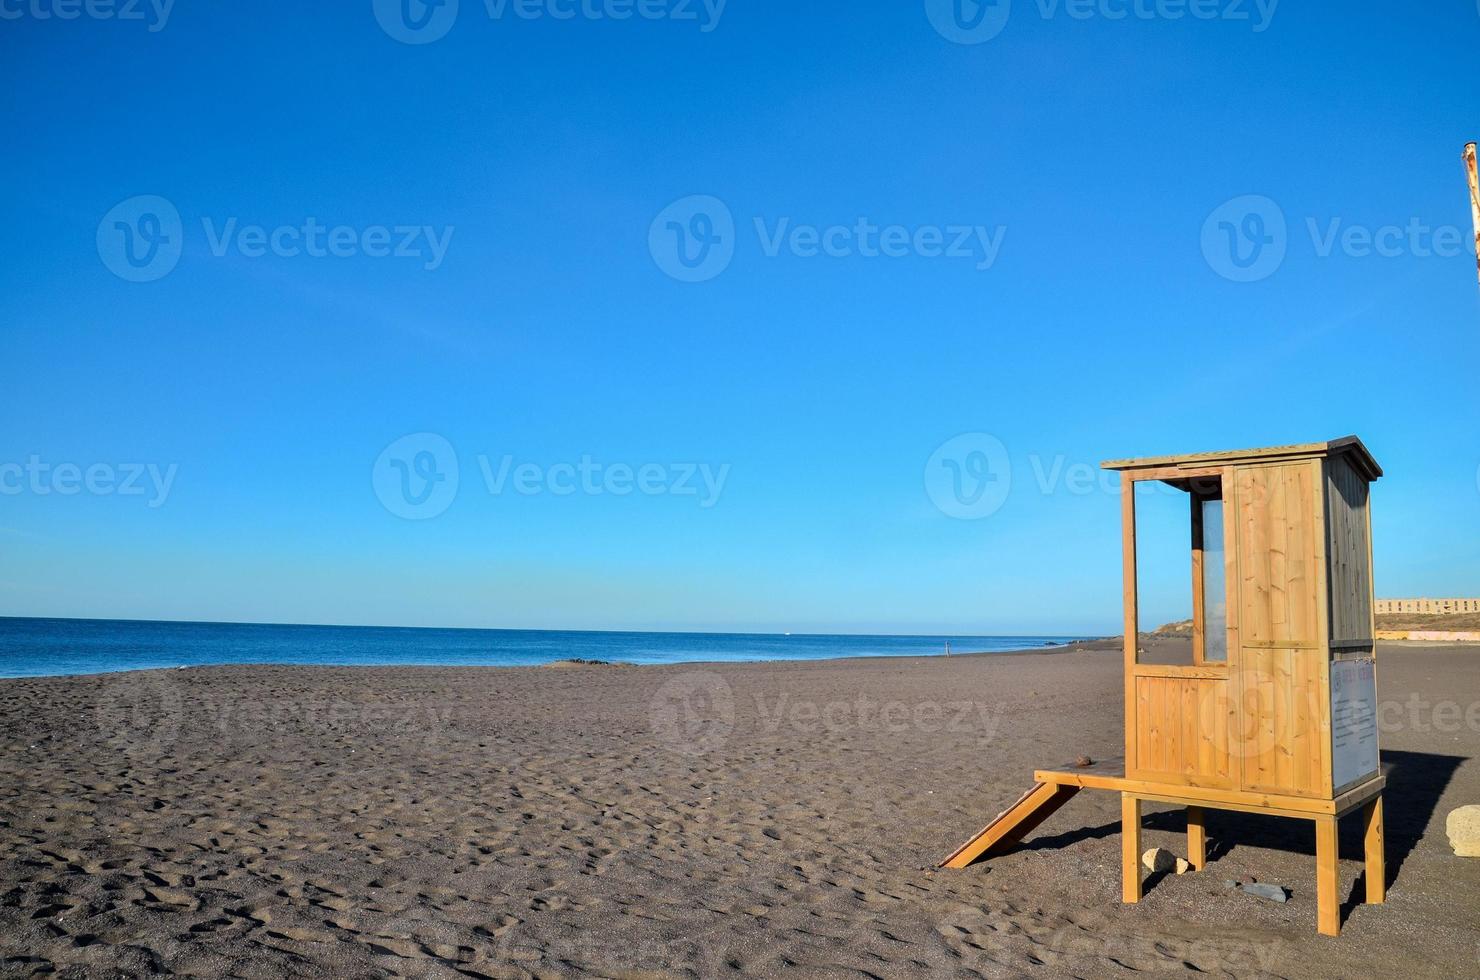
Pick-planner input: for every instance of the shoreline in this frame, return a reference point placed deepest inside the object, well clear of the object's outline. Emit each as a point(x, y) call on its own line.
point(485, 629)
point(1107, 644)
point(1090, 644)
point(1049, 648)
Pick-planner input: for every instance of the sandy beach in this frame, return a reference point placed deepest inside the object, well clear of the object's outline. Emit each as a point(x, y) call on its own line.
point(699, 820)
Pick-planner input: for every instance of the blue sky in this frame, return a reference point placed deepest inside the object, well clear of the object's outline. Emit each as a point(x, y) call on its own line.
point(524, 173)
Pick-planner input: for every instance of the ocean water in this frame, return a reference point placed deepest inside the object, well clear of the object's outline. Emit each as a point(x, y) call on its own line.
point(37, 647)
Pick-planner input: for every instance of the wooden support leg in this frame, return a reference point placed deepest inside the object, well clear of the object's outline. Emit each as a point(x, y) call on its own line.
point(1130, 848)
point(1328, 912)
point(1197, 838)
point(1376, 856)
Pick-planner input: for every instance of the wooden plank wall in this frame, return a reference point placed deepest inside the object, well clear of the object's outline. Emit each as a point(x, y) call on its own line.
point(1350, 555)
point(1182, 731)
point(1283, 744)
point(1283, 662)
point(1278, 557)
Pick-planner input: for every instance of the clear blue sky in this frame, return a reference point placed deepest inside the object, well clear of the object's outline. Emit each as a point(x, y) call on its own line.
point(550, 331)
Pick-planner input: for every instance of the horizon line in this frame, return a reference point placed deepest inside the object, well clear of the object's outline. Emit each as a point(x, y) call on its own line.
point(515, 629)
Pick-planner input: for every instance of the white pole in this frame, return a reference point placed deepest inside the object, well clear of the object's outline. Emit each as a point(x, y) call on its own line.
point(1474, 181)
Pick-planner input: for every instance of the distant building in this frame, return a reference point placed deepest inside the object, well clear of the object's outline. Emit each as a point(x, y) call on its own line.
point(1425, 607)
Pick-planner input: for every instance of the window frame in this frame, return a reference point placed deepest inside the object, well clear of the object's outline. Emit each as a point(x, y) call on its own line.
point(1197, 483)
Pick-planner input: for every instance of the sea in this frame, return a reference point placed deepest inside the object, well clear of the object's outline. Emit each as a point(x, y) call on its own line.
point(42, 647)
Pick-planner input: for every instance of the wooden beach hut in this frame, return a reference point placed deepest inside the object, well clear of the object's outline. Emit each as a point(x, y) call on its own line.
point(1274, 712)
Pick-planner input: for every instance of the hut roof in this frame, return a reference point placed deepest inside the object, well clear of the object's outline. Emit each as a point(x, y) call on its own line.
point(1349, 446)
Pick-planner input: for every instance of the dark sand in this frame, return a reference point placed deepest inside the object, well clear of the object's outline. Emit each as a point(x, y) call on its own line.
point(655, 821)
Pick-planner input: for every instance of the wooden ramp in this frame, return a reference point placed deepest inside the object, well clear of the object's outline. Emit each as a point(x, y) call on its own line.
point(1013, 824)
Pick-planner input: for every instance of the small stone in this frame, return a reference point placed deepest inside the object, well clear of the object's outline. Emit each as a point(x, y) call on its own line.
point(1183, 866)
point(1463, 827)
point(1273, 893)
point(1159, 859)
point(1247, 885)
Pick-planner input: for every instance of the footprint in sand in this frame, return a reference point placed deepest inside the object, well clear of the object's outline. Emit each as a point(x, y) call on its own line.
point(299, 935)
point(505, 924)
point(171, 899)
point(551, 903)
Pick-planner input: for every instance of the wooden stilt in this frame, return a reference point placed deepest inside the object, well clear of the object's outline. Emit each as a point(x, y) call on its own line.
point(1197, 838)
point(1328, 912)
point(1376, 852)
point(1130, 848)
